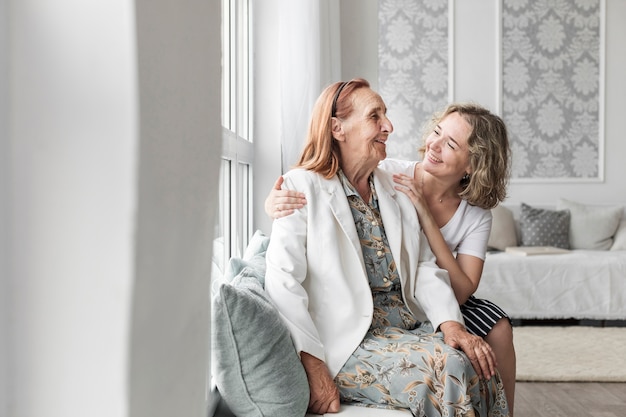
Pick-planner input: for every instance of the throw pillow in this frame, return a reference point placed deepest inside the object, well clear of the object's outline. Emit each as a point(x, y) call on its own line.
point(253, 259)
point(591, 227)
point(257, 372)
point(502, 229)
point(619, 241)
point(257, 245)
point(543, 227)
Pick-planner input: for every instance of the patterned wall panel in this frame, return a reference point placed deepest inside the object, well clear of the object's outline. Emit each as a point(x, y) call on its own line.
point(413, 67)
point(552, 87)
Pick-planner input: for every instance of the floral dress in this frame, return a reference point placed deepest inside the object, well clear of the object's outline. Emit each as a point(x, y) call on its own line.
point(401, 362)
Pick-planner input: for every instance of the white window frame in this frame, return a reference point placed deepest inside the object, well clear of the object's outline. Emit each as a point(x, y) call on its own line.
point(235, 216)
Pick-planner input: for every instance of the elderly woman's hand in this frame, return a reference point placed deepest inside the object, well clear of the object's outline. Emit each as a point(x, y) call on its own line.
point(477, 350)
point(280, 203)
point(324, 393)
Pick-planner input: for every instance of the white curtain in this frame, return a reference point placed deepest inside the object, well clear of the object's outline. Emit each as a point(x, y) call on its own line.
point(310, 59)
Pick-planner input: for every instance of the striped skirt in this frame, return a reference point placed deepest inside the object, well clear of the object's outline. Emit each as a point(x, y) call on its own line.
point(481, 315)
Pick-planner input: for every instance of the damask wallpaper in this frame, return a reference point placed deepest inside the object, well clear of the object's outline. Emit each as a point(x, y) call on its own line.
point(552, 81)
point(413, 67)
point(551, 87)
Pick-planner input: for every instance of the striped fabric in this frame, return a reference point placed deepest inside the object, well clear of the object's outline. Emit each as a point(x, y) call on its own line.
point(481, 315)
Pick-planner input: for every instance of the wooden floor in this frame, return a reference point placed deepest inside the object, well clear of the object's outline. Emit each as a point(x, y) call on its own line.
point(570, 399)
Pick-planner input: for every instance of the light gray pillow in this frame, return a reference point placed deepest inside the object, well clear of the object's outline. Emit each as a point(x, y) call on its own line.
point(257, 372)
point(619, 241)
point(503, 232)
point(253, 259)
point(591, 227)
point(257, 245)
point(543, 227)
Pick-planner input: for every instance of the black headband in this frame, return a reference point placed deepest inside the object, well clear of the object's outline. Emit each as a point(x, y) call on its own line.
point(333, 109)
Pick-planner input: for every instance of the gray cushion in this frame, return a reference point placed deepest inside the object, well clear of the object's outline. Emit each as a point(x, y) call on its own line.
point(591, 227)
point(543, 227)
point(257, 370)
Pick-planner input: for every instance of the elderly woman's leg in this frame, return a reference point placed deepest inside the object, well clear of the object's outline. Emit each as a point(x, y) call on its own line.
point(414, 369)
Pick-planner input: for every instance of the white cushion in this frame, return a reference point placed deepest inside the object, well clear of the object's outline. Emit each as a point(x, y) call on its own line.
point(591, 227)
point(359, 411)
point(502, 229)
point(619, 240)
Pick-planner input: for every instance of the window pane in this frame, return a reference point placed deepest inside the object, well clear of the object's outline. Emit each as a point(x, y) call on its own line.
point(221, 242)
point(226, 61)
point(243, 206)
point(243, 71)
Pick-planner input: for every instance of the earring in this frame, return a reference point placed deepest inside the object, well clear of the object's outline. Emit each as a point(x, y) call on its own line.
point(466, 177)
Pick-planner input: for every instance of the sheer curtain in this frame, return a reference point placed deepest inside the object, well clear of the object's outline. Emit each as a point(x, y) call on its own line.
point(310, 59)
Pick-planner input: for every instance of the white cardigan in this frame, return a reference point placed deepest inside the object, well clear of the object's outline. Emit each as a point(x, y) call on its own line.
point(316, 274)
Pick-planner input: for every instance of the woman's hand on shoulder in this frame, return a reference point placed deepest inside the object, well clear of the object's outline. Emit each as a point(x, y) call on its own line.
point(477, 350)
point(280, 203)
point(408, 187)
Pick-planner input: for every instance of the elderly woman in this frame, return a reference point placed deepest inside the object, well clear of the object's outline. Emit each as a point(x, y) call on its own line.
point(360, 290)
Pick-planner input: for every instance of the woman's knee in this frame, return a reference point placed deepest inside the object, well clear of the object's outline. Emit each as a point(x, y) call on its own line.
point(503, 327)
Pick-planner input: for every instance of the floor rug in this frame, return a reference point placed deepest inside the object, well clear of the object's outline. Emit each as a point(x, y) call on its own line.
point(570, 353)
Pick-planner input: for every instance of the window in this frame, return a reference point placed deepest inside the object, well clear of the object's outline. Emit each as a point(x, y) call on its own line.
point(234, 220)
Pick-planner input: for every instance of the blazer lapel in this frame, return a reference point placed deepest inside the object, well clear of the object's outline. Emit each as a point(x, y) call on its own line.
point(390, 213)
point(338, 203)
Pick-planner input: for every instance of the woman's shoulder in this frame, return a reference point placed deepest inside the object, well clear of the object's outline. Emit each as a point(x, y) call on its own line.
point(298, 178)
point(471, 215)
point(297, 173)
point(398, 166)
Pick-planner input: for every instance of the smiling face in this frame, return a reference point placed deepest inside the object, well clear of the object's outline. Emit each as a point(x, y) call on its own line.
point(363, 134)
point(447, 151)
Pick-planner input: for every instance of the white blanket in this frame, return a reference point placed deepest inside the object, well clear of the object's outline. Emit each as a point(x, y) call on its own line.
point(581, 284)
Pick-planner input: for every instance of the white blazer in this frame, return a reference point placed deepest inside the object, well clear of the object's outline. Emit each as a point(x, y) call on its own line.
point(316, 274)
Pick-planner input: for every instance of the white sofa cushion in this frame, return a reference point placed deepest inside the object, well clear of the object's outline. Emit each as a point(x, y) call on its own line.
point(619, 241)
point(591, 227)
point(359, 411)
point(503, 232)
point(581, 284)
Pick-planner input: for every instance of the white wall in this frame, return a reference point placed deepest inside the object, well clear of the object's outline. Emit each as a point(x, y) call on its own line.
point(4, 202)
point(72, 145)
point(359, 40)
point(267, 124)
point(179, 64)
point(109, 177)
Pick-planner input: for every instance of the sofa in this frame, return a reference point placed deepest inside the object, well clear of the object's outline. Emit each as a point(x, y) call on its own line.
point(585, 281)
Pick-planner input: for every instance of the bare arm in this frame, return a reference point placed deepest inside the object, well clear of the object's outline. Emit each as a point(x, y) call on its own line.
point(464, 270)
point(281, 203)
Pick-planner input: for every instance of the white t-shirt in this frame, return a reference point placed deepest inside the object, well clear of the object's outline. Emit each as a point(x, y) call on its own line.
point(467, 232)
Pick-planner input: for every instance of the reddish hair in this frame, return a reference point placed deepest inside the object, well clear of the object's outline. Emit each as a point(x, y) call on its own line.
point(321, 152)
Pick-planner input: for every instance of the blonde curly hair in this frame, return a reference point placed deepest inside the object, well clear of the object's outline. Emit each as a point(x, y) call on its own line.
point(489, 154)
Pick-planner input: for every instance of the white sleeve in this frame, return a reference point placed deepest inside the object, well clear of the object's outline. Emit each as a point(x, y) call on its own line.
point(286, 263)
point(475, 241)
